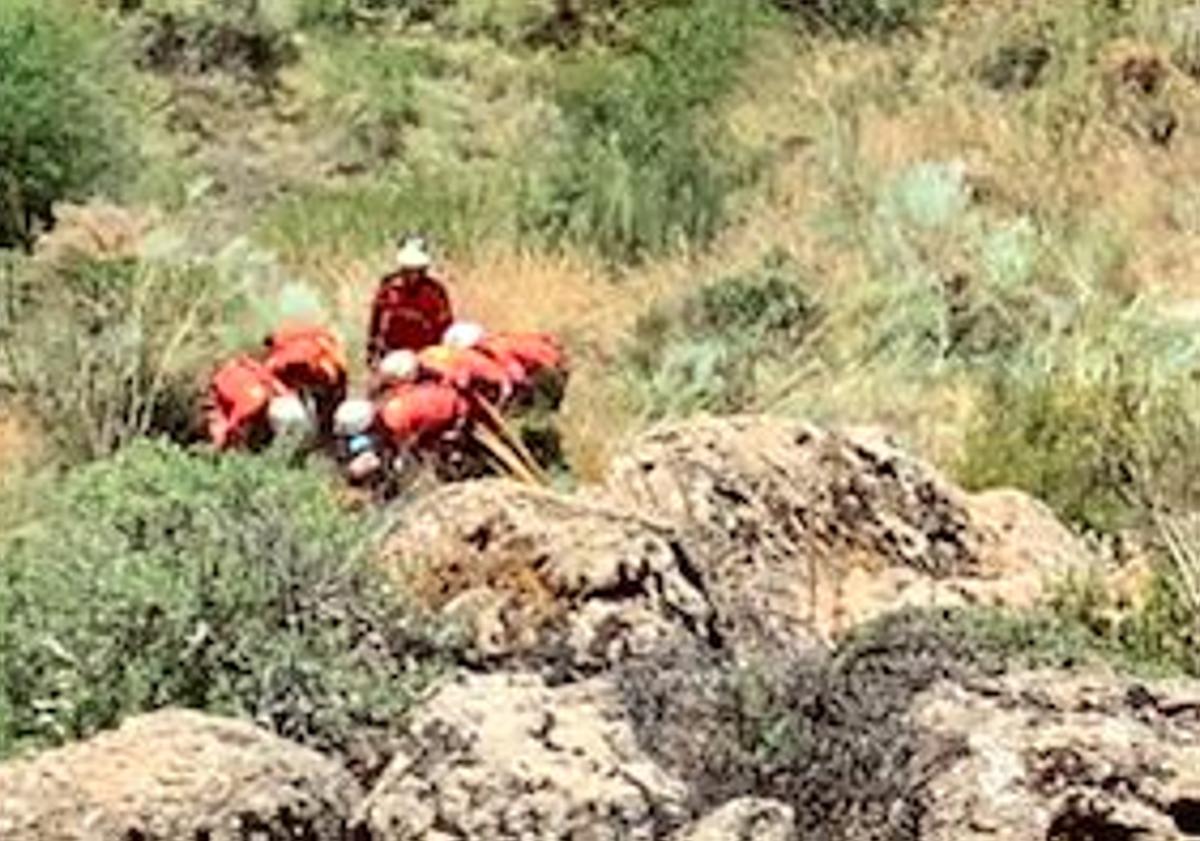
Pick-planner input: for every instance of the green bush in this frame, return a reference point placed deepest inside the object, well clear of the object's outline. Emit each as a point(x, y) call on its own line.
point(64, 132)
point(102, 352)
point(704, 353)
point(237, 585)
point(640, 171)
point(1101, 424)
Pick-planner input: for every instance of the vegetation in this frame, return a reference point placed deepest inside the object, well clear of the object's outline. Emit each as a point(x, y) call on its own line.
point(236, 585)
point(64, 123)
point(976, 224)
point(102, 352)
point(705, 352)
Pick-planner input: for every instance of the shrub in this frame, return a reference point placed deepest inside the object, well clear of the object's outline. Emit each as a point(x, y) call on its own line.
point(828, 734)
point(371, 85)
point(704, 353)
point(100, 352)
point(238, 37)
point(1101, 423)
point(237, 585)
point(64, 132)
point(639, 170)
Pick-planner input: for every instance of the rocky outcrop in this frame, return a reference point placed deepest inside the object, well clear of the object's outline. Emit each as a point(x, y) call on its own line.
point(506, 757)
point(797, 530)
point(537, 574)
point(173, 776)
point(746, 530)
point(1056, 756)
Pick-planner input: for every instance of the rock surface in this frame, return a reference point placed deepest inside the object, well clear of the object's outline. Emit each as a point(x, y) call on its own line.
point(176, 775)
point(746, 530)
point(1055, 756)
point(797, 530)
point(745, 819)
point(505, 757)
point(536, 572)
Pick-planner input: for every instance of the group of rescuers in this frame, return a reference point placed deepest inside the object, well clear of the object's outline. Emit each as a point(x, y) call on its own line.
point(430, 378)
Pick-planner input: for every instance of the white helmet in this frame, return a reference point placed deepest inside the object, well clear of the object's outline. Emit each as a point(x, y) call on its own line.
point(399, 365)
point(288, 415)
point(413, 254)
point(353, 417)
point(463, 334)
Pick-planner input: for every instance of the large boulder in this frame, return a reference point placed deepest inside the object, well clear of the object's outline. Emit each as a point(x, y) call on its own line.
point(748, 530)
point(796, 530)
point(1054, 756)
point(173, 776)
point(506, 757)
point(547, 576)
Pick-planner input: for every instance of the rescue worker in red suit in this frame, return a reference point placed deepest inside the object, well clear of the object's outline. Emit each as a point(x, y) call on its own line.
point(248, 405)
point(310, 360)
point(467, 370)
point(412, 308)
point(422, 417)
point(534, 363)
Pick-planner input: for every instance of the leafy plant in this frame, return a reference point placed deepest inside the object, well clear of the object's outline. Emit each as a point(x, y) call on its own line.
point(64, 127)
point(704, 352)
point(237, 585)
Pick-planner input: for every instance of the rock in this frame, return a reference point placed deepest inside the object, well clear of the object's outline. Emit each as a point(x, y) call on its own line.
point(1055, 756)
point(505, 757)
point(536, 573)
point(798, 531)
point(745, 819)
point(176, 775)
point(745, 530)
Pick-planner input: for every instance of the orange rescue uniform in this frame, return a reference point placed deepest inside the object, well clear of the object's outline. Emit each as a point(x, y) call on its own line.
point(239, 396)
point(418, 414)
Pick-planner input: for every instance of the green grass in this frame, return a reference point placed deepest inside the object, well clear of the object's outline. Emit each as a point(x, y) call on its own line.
point(642, 171)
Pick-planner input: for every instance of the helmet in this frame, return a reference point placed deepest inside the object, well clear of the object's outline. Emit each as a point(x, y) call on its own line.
point(413, 254)
point(401, 365)
point(353, 417)
point(463, 334)
point(288, 415)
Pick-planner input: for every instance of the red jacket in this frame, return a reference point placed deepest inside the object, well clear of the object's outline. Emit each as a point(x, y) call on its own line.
point(534, 353)
point(239, 395)
point(306, 356)
point(467, 370)
point(419, 413)
point(407, 315)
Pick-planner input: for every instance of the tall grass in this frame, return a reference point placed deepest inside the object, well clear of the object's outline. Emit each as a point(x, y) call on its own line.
point(641, 169)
